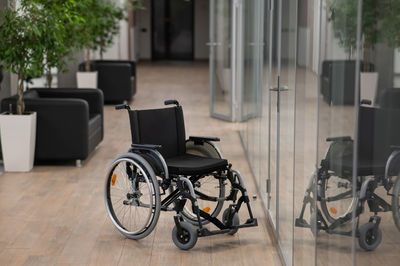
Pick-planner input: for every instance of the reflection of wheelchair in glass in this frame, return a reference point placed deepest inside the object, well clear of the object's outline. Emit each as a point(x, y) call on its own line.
point(377, 165)
point(193, 173)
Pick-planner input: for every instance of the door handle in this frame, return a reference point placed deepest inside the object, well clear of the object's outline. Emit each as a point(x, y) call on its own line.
point(256, 43)
point(283, 88)
point(213, 43)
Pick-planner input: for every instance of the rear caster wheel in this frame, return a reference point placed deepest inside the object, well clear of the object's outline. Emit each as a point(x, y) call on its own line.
point(187, 238)
point(370, 238)
point(235, 220)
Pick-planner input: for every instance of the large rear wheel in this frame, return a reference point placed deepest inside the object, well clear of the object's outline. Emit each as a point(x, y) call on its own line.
point(209, 190)
point(336, 197)
point(132, 196)
point(395, 202)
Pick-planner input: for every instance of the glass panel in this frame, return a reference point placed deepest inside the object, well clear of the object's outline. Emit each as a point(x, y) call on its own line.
point(378, 132)
point(336, 119)
point(273, 114)
point(308, 31)
point(286, 109)
point(221, 63)
point(265, 105)
point(252, 61)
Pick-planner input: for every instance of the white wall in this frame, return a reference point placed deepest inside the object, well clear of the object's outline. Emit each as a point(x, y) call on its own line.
point(120, 47)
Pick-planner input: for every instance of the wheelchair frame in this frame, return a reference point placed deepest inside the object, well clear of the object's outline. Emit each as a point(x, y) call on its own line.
point(365, 193)
point(181, 190)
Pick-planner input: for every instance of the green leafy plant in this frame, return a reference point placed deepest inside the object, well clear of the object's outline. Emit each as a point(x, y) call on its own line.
point(59, 38)
point(22, 49)
point(391, 23)
point(101, 24)
point(343, 15)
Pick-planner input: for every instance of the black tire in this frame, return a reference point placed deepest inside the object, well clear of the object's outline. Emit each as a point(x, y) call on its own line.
point(323, 192)
point(188, 238)
point(369, 237)
point(118, 196)
point(235, 220)
point(207, 185)
point(395, 202)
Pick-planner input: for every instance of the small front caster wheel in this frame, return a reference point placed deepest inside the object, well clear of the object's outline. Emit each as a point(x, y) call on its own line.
point(370, 237)
point(235, 220)
point(187, 238)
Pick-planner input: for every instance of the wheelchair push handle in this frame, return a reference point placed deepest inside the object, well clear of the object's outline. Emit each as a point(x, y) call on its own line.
point(168, 102)
point(122, 106)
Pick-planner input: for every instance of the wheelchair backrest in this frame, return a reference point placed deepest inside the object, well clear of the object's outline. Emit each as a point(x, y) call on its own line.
point(379, 130)
point(163, 127)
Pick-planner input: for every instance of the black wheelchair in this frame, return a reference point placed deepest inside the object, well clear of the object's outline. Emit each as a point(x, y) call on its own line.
point(192, 175)
point(331, 186)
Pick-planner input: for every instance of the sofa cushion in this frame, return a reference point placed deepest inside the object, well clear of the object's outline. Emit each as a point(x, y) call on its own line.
point(31, 94)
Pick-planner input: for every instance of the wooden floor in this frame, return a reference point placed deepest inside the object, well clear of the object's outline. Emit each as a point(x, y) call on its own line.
point(55, 215)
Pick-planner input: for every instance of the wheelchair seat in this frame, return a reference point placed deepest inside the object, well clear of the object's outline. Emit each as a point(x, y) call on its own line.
point(166, 127)
point(188, 164)
point(344, 166)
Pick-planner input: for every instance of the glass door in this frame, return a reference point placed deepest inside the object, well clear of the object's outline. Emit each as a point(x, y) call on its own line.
point(286, 126)
point(273, 119)
point(252, 59)
point(282, 70)
point(221, 63)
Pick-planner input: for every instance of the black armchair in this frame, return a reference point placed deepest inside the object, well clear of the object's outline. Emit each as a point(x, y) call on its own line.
point(116, 78)
point(338, 81)
point(69, 121)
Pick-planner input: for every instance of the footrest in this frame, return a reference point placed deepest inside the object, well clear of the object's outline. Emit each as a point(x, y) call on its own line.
point(205, 232)
point(302, 223)
point(249, 223)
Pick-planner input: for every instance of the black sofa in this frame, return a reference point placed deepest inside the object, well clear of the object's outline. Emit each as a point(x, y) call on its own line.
point(116, 78)
point(338, 81)
point(69, 122)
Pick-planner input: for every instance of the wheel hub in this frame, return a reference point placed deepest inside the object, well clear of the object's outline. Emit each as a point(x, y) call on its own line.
point(184, 237)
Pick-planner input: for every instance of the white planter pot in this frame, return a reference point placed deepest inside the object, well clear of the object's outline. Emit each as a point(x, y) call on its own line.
point(87, 79)
point(368, 86)
point(18, 137)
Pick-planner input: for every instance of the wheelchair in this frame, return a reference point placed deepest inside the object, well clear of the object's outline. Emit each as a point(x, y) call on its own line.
point(331, 186)
point(162, 171)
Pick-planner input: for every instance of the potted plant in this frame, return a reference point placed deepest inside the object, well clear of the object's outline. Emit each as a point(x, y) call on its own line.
point(60, 38)
point(101, 24)
point(21, 52)
point(343, 15)
point(391, 23)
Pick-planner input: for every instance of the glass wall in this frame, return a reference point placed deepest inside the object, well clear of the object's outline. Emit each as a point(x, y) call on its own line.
point(221, 28)
point(329, 86)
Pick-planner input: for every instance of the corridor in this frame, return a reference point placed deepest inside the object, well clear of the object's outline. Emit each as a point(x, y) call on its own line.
point(55, 215)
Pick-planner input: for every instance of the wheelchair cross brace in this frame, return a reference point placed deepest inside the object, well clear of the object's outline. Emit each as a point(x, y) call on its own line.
point(375, 203)
point(185, 191)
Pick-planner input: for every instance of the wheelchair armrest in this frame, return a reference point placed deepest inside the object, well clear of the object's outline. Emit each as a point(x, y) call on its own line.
point(145, 146)
point(395, 147)
point(343, 138)
point(201, 140)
